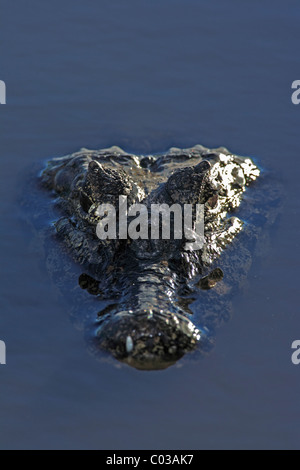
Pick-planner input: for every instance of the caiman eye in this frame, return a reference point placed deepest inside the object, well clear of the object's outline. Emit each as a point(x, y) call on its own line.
point(95, 167)
point(85, 202)
point(93, 177)
point(203, 167)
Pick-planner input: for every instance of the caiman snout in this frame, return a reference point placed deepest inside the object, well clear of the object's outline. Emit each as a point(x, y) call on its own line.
point(148, 340)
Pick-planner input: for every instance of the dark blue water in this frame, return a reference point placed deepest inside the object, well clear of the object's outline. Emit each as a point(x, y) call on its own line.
point(147, 76)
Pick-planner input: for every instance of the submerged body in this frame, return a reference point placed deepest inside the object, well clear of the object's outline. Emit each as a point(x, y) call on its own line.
point(149, 326)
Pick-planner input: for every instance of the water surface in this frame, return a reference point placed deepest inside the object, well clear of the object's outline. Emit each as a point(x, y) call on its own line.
point(147, 76)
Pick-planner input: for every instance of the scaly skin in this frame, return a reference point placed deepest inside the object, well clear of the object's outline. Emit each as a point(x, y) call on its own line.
point(147, 328)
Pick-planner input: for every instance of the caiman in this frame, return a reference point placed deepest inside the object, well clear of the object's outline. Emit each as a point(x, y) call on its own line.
point(150, 281)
